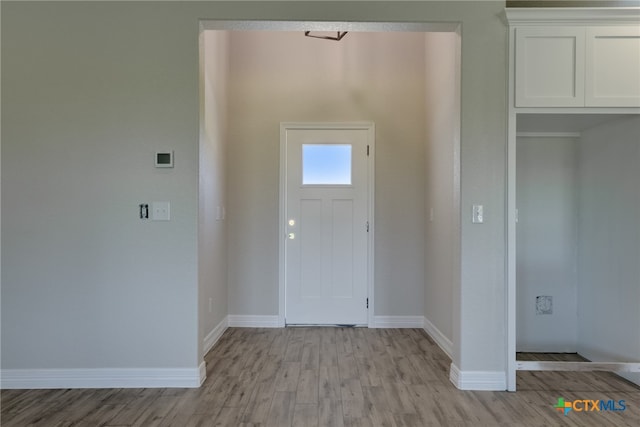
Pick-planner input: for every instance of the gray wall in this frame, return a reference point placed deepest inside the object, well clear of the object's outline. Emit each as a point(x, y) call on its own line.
point(479, 328)
point(284, 76)
point(91, 90)
point(212, 224)
point(442, 147)
point(547, 191)
point(609, 243)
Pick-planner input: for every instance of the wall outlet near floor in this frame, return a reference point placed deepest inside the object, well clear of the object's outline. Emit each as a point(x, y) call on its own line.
point(544, 304)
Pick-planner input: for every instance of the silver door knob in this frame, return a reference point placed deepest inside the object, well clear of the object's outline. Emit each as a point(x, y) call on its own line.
point(291, 236)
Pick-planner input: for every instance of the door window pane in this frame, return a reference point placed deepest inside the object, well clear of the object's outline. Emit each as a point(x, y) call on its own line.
point(326, 164)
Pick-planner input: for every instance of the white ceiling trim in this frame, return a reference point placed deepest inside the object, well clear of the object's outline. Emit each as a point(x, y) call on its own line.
point(328, 26)
point(572, 16)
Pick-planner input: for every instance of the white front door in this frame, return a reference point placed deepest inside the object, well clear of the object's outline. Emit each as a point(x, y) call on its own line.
point(326, 214)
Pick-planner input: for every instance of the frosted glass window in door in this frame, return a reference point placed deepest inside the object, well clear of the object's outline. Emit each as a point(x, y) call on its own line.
point(326, 164)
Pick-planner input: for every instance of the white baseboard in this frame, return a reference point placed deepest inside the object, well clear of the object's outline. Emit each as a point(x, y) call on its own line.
point(101, 378)
point(202, 370)
point(478, 380)
point(212, 337)
point(441, 339)
point(397, 322)
point(250, 321)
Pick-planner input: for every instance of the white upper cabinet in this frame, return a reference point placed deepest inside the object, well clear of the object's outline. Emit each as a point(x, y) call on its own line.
point(549, 67)
point(612, 69)
point(575, 57)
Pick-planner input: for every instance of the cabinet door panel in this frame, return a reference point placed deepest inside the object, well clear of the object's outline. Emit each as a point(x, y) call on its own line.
point(612, 67)
point(549, 67)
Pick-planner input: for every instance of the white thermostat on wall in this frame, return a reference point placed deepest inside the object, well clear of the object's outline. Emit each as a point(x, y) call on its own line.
point(164, 159)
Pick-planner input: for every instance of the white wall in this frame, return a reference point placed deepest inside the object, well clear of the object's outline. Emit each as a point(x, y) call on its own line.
point(442, 141)
point(609, 245)
point(277, 76)
point(212, 230)
point(547, 192)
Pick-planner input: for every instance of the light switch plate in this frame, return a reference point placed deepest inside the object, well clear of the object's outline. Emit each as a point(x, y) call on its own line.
point(160, 211)
point(477, 216)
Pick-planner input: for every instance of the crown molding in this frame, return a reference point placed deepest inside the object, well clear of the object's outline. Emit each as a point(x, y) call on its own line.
point(573, 16)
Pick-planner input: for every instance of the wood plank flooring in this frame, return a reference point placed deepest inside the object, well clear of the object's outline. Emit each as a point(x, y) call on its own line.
point(327, 377)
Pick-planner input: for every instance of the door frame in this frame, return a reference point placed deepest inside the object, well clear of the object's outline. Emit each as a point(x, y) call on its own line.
point(282, 217)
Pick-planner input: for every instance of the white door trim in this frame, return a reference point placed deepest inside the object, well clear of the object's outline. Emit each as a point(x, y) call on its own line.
point(282, 231)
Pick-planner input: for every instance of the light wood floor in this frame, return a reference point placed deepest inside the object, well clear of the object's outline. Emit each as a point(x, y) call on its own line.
point(327, 377)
